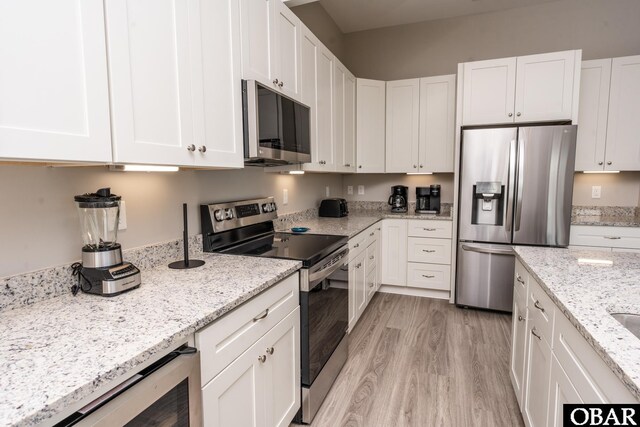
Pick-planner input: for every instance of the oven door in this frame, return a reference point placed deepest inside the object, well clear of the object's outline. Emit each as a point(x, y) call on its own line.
point(166, 393)
point(324, 309)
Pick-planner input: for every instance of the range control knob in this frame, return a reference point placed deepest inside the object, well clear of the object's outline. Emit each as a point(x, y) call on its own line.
point(218, 214)
point(228, 213)
point(266, 207)
point(274, 207)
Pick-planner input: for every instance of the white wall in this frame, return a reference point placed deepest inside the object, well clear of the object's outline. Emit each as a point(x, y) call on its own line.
point(39, 225)
point(621, 189)
point(377, 187)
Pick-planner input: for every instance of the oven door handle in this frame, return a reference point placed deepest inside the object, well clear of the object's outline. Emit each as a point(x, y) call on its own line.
point(328, 271)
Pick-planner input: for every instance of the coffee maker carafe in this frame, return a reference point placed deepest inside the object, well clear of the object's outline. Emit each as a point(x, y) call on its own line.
point(428, 199)
point(102, 271)
point(398, 198)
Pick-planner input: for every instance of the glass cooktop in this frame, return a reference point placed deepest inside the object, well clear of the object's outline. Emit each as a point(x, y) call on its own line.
point(308, 248)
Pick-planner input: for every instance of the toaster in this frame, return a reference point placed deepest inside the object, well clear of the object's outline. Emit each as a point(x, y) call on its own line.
point(334, 208)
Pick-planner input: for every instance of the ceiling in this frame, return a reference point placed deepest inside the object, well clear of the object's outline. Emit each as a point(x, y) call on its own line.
point(358, 15)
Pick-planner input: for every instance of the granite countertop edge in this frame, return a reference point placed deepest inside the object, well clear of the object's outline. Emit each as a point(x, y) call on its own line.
point(591, 340)
point(63, 402)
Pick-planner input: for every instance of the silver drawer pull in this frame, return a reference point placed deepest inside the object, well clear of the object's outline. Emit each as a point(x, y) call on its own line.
point(262, 316)
point(538, 306)
point(270, 351)
point(372, 233)
point(429, 251)
point(519, 279)
point(612, 237)
point(357, 245)
point(371, 257)
point(429, 229)
point(520, 318)
point(426, 276)
point(371, 285)
point(535, 334)
point(262, 358)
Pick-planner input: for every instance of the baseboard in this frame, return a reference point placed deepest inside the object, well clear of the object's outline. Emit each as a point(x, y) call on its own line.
point(415, 292)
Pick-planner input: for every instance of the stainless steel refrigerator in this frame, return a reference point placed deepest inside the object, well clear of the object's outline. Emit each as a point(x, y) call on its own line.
point(516, 186)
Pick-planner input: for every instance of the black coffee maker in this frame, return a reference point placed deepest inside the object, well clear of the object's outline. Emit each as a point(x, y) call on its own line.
point(398, 198)
point(428, 199)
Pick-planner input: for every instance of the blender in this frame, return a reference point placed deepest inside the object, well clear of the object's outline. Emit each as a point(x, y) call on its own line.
point(102, 271)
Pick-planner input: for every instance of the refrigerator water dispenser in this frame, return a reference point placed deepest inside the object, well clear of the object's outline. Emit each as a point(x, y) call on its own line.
point(488, 203)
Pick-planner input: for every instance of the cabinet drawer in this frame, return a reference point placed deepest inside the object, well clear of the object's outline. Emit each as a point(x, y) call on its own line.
point(429, 276)
point(426, 228)
point(228, 337)
point(541, 310)
point(357, 245)
point(371, 258)
point(521, 282)
point(432, 251)
point(612, 237)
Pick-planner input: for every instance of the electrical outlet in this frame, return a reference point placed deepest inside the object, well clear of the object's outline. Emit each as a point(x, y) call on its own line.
point(361, 190)
point(350, 190)
point(122, 222)
point(285, 197)
point(327, 191)
point(596, 192)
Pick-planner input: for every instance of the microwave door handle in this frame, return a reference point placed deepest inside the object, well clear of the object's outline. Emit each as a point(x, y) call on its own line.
point(520, 184)
point(511, 185)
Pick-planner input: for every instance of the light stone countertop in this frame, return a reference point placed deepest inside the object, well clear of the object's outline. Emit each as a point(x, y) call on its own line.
point(356, 222)
point(587, 293)
point(56, 352)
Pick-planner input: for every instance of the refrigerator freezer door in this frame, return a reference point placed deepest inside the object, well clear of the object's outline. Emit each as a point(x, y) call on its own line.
point(544, 189)
point(485, 276)
point(488, 162)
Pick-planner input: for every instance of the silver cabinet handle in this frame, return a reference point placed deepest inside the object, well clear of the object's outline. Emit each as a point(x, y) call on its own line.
point(520, 318)
point(519, 279)
point(609, 162)
point(518, 114)
point(429, 251)
point(600, 163)
point(538, 306)
point(510, 114)
point(191, 147)
point(421, 166)
point(429, 229)
point(427, 276)
point(270, 351)
point(262, 316)
point(281, 84)
point(322, 162)
point(203, 149)
point(275, 82)
point(372, 234)
point(359, 265)
point(488, 250)
point(415, 166)
point(348, 165)
point(360, 167)
point(612, 237)
point(535, 333)
point(262, 358)
point(371, 257)
point(371, 285)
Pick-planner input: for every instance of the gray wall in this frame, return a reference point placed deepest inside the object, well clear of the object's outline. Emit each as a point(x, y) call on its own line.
point(323, 26)
point(39, 225)
point(601, 28)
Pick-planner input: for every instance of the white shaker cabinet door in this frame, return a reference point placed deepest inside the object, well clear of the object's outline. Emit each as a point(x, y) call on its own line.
point(437, 123)
point(561, 392)
point(394, 252)
point(286, 49)
point(54, 96)
point(344, 118)
point(592, 116)
point(258, 40)
point(489, 91)
point(403, 121)
point(537, 377)
point(518, 345)
point(545, 86)
point(155, 67)
point(350, 122)
point(325, 116)
point(310, 48)
point(623, 143)
point(370, 123)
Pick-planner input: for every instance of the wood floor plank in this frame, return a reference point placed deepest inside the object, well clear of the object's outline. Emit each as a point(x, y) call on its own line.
point(421, 362)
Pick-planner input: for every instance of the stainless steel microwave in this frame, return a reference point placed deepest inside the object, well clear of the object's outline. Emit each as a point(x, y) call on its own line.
point(276, 127)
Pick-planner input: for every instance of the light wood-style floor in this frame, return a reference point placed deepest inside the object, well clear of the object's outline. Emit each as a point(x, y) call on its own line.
point(424, 362)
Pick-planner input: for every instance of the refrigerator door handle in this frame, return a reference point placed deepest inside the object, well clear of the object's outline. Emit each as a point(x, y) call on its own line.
point(511, 185)
point(488, 251)
point(519, 185)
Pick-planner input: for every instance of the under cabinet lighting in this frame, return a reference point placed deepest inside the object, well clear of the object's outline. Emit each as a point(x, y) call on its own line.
point(595, 261)
point(296, 172)
point(144, 168)
point(419, 173)
point(601, 172)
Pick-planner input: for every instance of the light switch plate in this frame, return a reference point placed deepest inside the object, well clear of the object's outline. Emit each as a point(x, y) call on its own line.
point(350, 190)
point(361, 190)
point(596, 192)
point(122, 222)
point(327, 191)
point(285, 196)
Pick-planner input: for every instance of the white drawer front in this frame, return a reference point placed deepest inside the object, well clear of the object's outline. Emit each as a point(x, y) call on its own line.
point(224, 340)
point(357, 244)
point(371, 260)
point(612, 237)
point(429, 276)
point(434, 251)
point(521, 283)
point(541, 310)
point(426, 228)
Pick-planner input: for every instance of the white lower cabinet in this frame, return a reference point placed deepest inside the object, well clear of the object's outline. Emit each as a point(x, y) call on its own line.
point(605, 237)
point(363, 271)
point(260, 385)
point(551, 362)
point(394, 252)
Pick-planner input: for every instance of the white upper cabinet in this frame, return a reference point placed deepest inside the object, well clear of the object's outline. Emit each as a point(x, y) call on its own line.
point(370, 120)
point(403, 118)
point(54, 96)
point(523, 89)
point(437, 123)
point(592, 117)
point(623, 141)
point(174, 76)
point(344, 118)
point(545, 86)
point(271, 37)
point(489, 91)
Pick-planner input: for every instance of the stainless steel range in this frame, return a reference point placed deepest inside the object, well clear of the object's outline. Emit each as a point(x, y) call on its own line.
point(246, 228)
